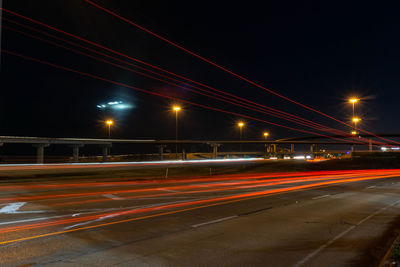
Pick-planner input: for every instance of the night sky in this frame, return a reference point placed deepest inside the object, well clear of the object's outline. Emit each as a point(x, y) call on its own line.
point(318, 53)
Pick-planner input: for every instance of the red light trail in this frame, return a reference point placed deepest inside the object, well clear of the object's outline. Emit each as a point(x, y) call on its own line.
point(193, 204)
point(188, 179)
point(220, 188)
point(259, 182)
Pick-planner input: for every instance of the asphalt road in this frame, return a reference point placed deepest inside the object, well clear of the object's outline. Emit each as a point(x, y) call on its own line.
point(331, 218)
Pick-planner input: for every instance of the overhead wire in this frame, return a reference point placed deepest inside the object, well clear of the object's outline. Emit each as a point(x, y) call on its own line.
point(227, 70)
point(58, 30)
point(149, 76)
point(159, 94)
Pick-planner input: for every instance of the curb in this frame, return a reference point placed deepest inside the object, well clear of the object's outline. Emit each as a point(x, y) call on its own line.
point(388, 253)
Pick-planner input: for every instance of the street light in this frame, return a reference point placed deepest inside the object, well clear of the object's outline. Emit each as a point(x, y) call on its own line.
point(266, 134)
point(241, 125)
point(109, 123)
point(176, 109)
point(356, 120)
point(353, 101)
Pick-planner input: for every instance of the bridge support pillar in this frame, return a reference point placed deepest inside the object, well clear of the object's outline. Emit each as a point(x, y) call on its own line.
point(161, 150)
point(106, 151)
point(75, 153)
point(274, 147)
point(370, 145)
point(291, 148)
point(183, 154)
point(312, 148)
point(215, 150)
point(40, 152)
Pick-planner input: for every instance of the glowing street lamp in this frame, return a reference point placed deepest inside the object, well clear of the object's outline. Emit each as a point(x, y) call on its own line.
point(356, 120)
point(109, 123)
point(176, 109)
point(240, 125)
point(266, 134)
point(353, 101)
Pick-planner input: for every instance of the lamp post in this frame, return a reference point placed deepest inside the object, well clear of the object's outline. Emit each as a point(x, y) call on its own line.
point(176, 109)
point(241, 125)
point(353, 101)
point(266, 134)
point(355, 120)
point(109, 123)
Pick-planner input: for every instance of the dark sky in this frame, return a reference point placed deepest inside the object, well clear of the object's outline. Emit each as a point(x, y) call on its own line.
point(316, 52)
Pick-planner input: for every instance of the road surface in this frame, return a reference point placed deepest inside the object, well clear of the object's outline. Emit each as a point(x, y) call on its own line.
point(326, 218)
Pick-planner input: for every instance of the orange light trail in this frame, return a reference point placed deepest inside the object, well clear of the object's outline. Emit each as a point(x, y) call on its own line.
point(188, 179)
point(182, 187)
point(191, 203)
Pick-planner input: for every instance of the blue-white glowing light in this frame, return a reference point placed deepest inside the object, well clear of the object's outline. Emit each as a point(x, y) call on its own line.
point(118, 105)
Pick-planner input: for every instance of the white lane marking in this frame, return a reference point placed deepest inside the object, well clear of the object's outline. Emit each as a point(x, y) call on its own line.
point(30, 212)
point(12, 208)
point(89, 212)
point(113, 197)
point(84, 223)
point(30, 220)
point(214, 221)
point(327, 244)
point(320, 197)
point(370, 187)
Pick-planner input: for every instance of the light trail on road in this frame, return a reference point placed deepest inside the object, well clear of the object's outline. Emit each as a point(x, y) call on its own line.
point(196, 202)
point(261, 180)
point(184, 187)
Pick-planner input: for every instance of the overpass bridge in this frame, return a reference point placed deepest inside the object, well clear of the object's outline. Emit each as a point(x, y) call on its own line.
point(40, 143)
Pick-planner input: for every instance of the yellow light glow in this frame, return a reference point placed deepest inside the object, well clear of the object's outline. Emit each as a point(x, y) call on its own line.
point(240, 124)
point(176, 108)
point(353, 132)
point(266, 134)
point(109, 122)
point(355, 119)
point(353, 100)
